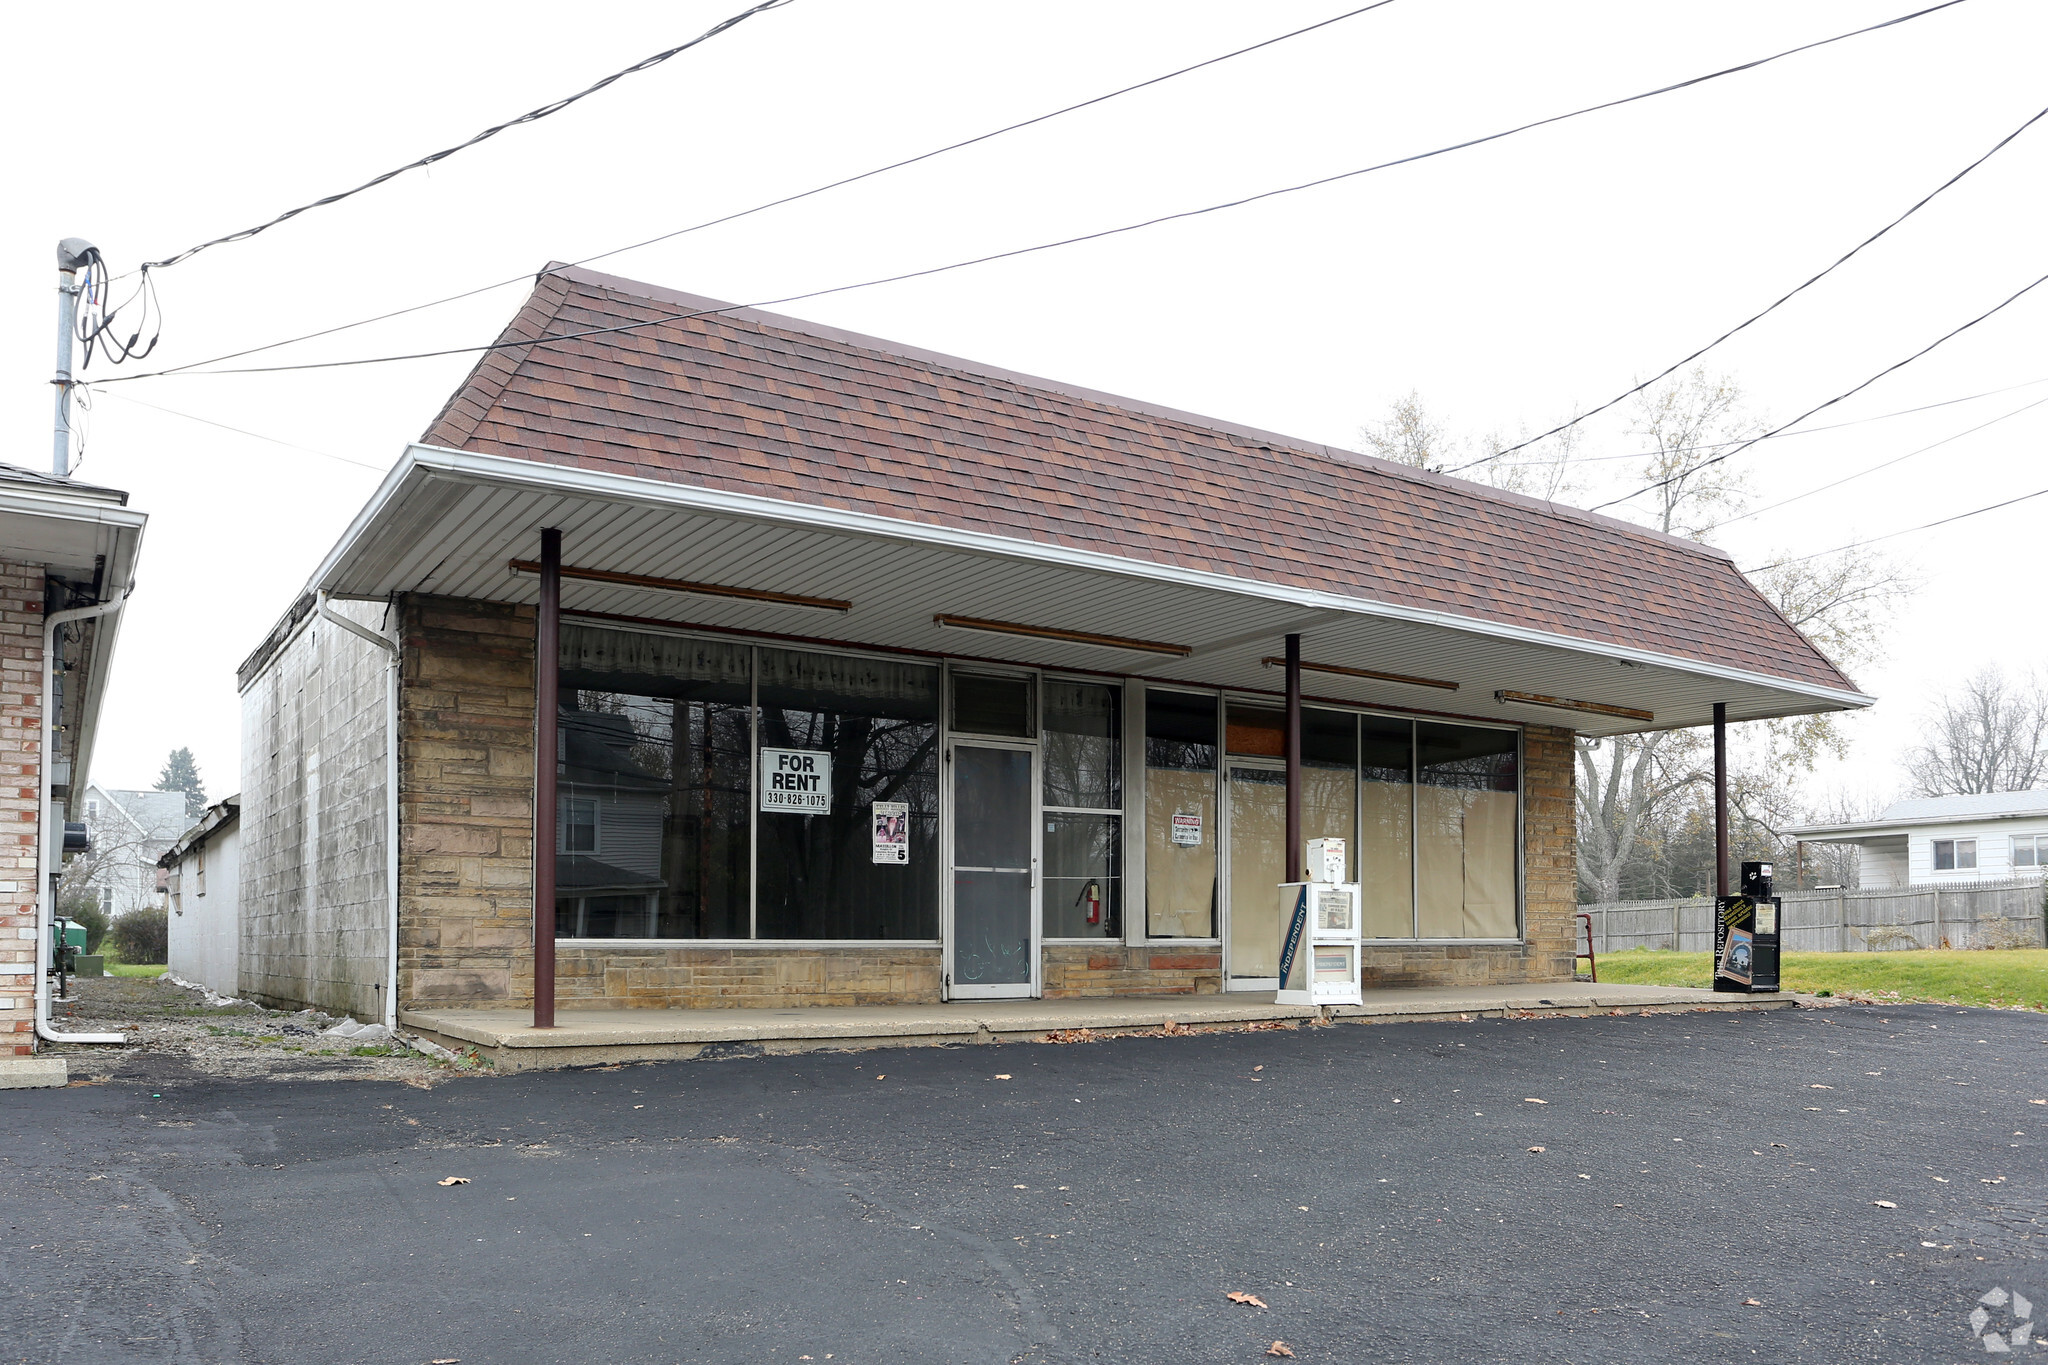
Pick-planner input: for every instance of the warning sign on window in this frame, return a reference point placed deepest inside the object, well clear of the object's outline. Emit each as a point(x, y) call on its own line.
point(798, 780)
point(1187, 830)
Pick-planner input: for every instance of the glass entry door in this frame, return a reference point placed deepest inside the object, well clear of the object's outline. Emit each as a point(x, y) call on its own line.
point(992, 933)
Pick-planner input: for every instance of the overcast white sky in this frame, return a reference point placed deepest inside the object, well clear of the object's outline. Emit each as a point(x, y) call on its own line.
point(1505, 284)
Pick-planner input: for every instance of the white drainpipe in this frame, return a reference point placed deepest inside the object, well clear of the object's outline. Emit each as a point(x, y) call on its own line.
point(50, 844)
point(390, 796)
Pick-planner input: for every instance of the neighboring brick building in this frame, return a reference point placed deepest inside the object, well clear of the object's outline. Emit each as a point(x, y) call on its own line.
point(888, 676)
point(67, 561)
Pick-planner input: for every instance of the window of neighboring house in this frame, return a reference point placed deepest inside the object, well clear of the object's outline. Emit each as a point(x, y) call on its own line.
point(106, 900)
point(579, 824)
point(1955, 855)
point(2029, 850)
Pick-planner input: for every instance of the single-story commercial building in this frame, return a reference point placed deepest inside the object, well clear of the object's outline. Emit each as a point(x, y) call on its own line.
point(1928, 840)
point(202, 881)
point(873, 675)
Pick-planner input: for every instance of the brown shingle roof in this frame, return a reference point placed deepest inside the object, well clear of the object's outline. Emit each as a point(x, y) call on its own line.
point(754, 403)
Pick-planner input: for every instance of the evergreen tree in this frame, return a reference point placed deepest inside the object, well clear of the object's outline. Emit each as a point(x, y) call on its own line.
point(181, 774)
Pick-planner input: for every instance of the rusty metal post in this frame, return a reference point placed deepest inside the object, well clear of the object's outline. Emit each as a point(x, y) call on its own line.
point(1720, 798)
point(1293, 751)
point(547, 677)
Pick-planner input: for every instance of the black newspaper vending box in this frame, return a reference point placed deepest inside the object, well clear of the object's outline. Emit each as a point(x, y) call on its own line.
point(1746, 934)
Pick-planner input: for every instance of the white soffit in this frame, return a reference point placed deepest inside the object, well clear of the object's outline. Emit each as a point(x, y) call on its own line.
point(448, 523)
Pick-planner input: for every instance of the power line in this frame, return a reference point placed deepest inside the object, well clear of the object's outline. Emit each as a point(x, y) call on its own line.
point(1894, 535)
point(1850, 478)
point(1082, 237)
point(1729, 455)
point(253, 435)
point(1758, 317)
point(1809, 431)
point(530, 116)
point(840, 183)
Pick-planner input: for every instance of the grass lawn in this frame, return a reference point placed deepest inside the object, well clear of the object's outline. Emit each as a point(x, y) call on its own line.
point(125, 969)
point(2011, 977)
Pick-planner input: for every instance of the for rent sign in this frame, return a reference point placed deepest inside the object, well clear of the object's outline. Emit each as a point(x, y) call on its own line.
point(797, 780)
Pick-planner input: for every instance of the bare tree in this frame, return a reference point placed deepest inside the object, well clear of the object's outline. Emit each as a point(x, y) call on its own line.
point(1409, 435)
point(1687, 424)
point(1991, 735)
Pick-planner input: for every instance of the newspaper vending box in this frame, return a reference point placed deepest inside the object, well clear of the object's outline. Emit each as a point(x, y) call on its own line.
point(1320, 933)
point(1746, 934)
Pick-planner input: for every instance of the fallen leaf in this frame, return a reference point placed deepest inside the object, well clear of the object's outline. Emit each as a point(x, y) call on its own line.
point(1002, 1075)
point(1539, 1149)
point(1535, 1101)
point(447, 1360)
point(1019, 1187)
point(1279, 1348)
point(1261, 1067)
point(1884, 1203)
point(1820, 1087)
point(1239, 1296)
point(1752, 1303)
point(2037, 1101)
point(1584, 1176)
point(1777, 1144)
point(880, 1077)
point(453, 1180)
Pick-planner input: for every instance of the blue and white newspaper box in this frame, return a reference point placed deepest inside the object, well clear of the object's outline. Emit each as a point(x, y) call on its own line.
point(1320, 933)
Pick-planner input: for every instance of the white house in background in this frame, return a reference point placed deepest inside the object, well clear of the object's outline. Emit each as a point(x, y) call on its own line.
point(203, 877)
point(1989, 836)
point(130, 830)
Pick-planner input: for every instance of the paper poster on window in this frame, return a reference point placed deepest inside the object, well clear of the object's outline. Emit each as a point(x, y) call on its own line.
point(892, 831)
point(798, 780)
point(1187, 830)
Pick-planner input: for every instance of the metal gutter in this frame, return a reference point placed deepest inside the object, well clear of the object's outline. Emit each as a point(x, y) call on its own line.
point(430, 462)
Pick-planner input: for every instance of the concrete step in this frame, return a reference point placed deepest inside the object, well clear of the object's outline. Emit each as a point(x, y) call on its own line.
point(29, 1073)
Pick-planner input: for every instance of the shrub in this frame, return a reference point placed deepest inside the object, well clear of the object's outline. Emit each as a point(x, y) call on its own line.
point(2008, 934)
point(143, 937)
point(85, 909)
point(1889, 938)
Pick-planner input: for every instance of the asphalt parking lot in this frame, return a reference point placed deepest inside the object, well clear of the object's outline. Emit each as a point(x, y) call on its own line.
point(1376, 1190)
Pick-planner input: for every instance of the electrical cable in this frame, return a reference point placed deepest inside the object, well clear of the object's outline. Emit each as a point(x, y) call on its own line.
point(1729, 455)
point(1758, 317)
point(239, 431)
point(1850, 478)
point(1894, 535)
point(1079, 238)
point(531, 116)
point(840, 183)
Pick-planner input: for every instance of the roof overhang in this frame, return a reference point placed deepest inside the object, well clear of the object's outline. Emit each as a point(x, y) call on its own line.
point(1876, 829)
point(451, 523)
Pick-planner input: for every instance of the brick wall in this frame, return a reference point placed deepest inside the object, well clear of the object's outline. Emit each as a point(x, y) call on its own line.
point(597, 977)
point(465, 874)
point(1073, 969)
point(21, 717)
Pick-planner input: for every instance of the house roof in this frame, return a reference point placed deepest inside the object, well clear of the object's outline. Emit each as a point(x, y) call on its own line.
point(750, 402)
point(1901, 816)
point(221, 815)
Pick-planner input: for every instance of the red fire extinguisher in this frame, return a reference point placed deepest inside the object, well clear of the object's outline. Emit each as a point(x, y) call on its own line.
point(1091, 896)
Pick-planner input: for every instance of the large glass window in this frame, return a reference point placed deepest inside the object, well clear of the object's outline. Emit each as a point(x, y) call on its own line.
point(1082, 759)
point(1180, 814)
point(1385, 861)
point(870, 727)
point(1465, 827)
point(654, 755)
point(1258, 818)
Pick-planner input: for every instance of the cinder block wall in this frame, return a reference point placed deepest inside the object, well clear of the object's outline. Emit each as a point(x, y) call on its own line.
point(21, 719)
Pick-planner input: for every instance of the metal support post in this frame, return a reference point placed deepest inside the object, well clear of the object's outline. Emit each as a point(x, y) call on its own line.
point(546, 762)
point(1293, 750)
point(1720, 798)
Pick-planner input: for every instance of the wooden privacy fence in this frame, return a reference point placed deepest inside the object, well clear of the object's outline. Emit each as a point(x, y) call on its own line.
point(2000, 914)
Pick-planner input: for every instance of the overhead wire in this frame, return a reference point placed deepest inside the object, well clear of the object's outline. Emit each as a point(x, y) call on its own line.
point(840, 183)
point(530, 116)
point(1691, 470)
point(1077, 239)
point(252, 435)
point(1873, 469)
point(1894, 535)
point(1772, 308)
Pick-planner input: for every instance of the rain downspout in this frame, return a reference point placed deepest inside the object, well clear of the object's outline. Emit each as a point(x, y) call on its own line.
point(390, 796)
point(50, 840)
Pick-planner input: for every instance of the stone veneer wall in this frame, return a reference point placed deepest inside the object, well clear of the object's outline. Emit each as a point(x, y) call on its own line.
point(466, 872)
point(21, 719)
point(465, 815)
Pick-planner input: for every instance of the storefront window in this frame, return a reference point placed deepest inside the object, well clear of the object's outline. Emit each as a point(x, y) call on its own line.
point(1385, 861)
point(1082, 761)
point(1258, 818)
point(654, 770)
point(1465, 829)
point(1180, 814)
point(868, 729)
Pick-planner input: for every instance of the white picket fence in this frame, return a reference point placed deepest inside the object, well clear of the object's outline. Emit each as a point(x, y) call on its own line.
point(1976, 915)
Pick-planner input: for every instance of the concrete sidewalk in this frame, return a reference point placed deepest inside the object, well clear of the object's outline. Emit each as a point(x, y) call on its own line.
point(586, 1037)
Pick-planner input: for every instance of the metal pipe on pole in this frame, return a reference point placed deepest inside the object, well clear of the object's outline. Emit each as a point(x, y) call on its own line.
point(547, 676)
point(1295, 851)
point(72, 254)
point(1720, 798)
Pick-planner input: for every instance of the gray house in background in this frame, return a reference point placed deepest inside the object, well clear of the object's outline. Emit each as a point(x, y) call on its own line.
point(130, 831)
point(1987, 836)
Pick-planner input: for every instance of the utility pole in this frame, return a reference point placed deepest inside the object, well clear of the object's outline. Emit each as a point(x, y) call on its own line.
point(72, 254)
